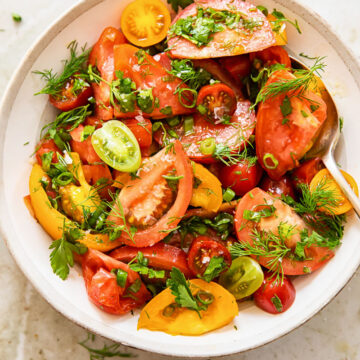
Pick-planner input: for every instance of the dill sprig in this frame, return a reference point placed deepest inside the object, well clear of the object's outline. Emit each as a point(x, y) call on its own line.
point(72, 66)
point(304, 78)
point(228, 157)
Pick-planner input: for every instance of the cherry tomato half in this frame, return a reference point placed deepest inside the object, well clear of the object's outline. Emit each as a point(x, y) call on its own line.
point(217, 102)
point(243, 278)
point(241, 177)
point(283, 186)
point(273, 296)
point(202, 250)
point(117, 146)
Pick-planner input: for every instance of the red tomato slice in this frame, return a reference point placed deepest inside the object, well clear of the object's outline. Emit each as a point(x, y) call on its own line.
point(164, 60)
point(94, 121)
point(44, 147)
point(102, 56)
point(255, 200)
point(100, 177)
point(235, 135)
point(229, 41)
point(280, 145)
point(272, 55)
point(201, 251)
point(102, 287)
point(161, 256)
point(149, 74)
point(67, 100)
point(142, 129)
point(148, 202)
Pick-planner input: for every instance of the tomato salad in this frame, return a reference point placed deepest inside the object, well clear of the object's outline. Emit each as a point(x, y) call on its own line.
point(175, 172)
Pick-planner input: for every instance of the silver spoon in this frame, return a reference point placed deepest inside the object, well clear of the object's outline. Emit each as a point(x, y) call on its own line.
point(326, 142)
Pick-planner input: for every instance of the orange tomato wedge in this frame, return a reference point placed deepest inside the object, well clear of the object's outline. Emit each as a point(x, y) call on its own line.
point(187, 322)
point(343, 205)
point(280, 35)
point(145, 22)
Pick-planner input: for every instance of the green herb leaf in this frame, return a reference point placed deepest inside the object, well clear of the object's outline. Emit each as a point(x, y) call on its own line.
point(256, 216)
point(215, 267)
point(16, 17)
point(141, 267)
point(179, 3)
point(277, 303)
point(88, 131)
point(285, 107)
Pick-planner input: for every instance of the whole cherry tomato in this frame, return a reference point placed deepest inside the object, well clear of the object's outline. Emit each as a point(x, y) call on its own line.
point(241, 177)
point(278, 187)
point(273, 296)
point(306, 171)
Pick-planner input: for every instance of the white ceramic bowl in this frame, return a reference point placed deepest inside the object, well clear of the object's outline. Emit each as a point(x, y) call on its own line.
point(23, 115)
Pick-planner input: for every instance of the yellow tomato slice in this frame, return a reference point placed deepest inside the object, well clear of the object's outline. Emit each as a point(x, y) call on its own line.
point(324, 176)
point(187, 322)
point(145, 22)
point(207, 191)
point(280, 36)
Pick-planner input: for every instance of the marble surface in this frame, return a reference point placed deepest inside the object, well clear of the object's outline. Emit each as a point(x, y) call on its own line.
point(30, 329)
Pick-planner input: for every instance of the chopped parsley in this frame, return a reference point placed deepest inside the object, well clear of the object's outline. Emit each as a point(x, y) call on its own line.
point(215, 267)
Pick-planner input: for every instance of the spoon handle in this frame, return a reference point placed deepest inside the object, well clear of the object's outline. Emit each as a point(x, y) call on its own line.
point(330, 164)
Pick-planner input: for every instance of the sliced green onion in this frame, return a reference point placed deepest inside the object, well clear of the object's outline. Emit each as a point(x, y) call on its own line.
point(204, 297)
point(169, 310)
point(156, 126)
point(173, 134)
point(188, 125)
point(228, 195)
point(121, 277)
point(202, 109)
point(173, 121)
point(207, 146)
point(181, 97)
point(172, 178)
point(64, 178)
point(274, 164)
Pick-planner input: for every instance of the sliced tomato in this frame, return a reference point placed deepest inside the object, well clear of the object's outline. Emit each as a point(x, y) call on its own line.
point(83, 148)
point(306, 171)
point(142, 130)
point(100, 177)
point(202, 250)
point(216, 102)
point(94, 121)
point(102, 57)
point(280, 144)
point(147, 73)
point(45, 146)
point(103, 289)
point(228, 42)
point(161, 256)
point(234, 135)
point(258, 199)
point(238, 66)
point(164, 60)
point(272, 55)
point(69, 99)
point(149, 204)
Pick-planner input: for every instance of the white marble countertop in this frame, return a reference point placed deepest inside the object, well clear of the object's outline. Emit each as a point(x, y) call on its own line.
point(30, 329)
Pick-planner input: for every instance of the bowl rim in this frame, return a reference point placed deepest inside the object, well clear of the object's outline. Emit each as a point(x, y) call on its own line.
point(16, 81)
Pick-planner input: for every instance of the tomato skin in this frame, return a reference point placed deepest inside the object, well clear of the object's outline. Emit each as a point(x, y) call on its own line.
point(272, 55)
point(306, 171)
point(241, 177)
point(283, 186)
point(202, 249)
point(238, 66)
point(102, 56)
point(83, 148)
point(94, 173)
point(317, 256)
point(161, 256)
point(269, 289)
point(46, 146)
point(142, 130)
point(69, 101)
point(94, 121)
point(288, 142)
point(218, 99)
point(149, 175)
point(102, 287)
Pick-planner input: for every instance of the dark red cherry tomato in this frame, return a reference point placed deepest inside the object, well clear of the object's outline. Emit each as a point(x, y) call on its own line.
point(278, 187)
point(238, 66)
point(202, 249)
point(273, 296)
point(306, 171)
point(75, 93)
point(272, 55)
point(241, 177)
point(217, 102)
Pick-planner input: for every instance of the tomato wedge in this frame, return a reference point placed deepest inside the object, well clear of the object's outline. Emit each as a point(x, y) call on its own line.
point(272, 55)
point(45, 146)
point(103, 289)
point(148, 74)
point(235, 135)
point(252, 33)
point(283, 141)
point(161, 256)
point(148, 203)
point(102, 56)
point(258, 199)
point(100, 177)
point(142, 130)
